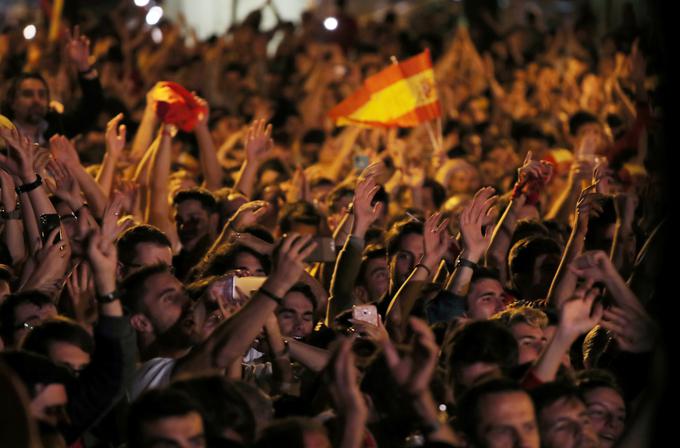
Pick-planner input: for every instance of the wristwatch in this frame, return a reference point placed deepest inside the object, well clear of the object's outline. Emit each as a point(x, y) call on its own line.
point(460, 261)
point(108, 298)
point(14, 214)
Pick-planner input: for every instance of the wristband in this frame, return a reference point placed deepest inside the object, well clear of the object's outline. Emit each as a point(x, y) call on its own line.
point(108, 298)
point(421, 265)
point(460, 261)
point(25, 188)
point(271, 295)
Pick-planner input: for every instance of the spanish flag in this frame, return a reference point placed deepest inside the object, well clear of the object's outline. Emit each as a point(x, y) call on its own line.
point(403, 94)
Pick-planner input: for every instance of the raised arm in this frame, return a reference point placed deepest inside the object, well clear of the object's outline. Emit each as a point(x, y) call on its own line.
point(233, 337)
point(158, 207)
point(475, 239)
point(146, 130)
point(564, 281)
point(63, 150)
point(210, 167)
point(115, 142)
point(14, 230)
point(436, 240)
point(349, 259)
point(259, 145)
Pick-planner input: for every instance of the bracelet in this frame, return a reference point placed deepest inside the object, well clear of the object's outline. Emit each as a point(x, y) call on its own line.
point(421, 265)
point(460, 261)
point(271, 295)
point(108, 298)
point(25, 188)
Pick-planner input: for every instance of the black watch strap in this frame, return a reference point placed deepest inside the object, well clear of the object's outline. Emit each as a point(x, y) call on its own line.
point(108, 298)
point(460, 261)
point(25, 188)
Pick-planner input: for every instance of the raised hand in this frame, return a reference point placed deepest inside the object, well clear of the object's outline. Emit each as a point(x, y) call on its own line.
point(63, 150)
point(365, 213)
point(80, 291)
point(203, 118)
point(588, 204)
point(103, 258)
point(248, 215)
point(375, 333)
point(112, 225)
point(78, 49)
point(66, 186)
point(20, 162)
point(534, 170)
point(594, 266)
point(625, 205)
point(115, 136)
point(475, 216)
point(633, 329)
point(602, 175)
point(288, 261)
point(51, 261)
point(258, 142)
point(436, 240)
point(581, 313)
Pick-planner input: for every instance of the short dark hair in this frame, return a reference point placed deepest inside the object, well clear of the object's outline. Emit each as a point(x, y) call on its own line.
point(316, 136)
point(61, 329)
point(9, 306)
point(143, 233)
point(222, 260)
point(371, 252)
point(527, 228)
point(34, 369)
point(590, 379)
point(524, 252)
point(548, 393)
point(468, 404)
point(480, 341)
point(299, 212)
point(438, 191)
point(205, 197)
point(579, 119)
point(306, 291)
point(133, 286)
point(155, 404)
point(336, 195)
point(398, 231)
point(482, 272)
point(222, 405)
point(13, 90)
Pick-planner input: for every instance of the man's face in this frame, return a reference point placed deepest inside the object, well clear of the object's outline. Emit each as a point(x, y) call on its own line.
point(170, 311)
point(530, 340)
point(507, 420)
point(607, 412)
point(296, 315)
point(181, 431)
point(30, 104)
point(69, 355)
point(485, 298)
point(409, 253)
point(192, 221)
point(565, 424)
point(27, 316)
point(376, 280)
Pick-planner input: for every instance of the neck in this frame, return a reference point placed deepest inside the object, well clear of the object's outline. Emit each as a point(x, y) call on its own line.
point(30, 129)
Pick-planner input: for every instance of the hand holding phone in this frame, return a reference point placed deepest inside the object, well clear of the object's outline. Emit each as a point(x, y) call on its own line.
point(365, 313)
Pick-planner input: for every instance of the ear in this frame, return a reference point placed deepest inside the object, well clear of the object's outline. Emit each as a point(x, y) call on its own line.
point(361, 294)
point(120, 271)
point(141, 323)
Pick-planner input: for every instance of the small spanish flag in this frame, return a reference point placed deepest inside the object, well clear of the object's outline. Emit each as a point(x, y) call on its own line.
point(403, 94)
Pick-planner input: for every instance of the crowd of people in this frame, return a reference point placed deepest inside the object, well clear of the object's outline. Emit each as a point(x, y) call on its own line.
point(269, 279)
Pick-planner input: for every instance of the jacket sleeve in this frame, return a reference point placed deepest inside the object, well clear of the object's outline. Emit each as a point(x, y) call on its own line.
point(85, 114)
point(111, 368)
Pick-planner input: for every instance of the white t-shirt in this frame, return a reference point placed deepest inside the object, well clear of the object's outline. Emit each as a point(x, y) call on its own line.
point(153, 373)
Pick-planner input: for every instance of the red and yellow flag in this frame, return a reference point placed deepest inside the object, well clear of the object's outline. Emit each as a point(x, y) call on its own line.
point(403, 94)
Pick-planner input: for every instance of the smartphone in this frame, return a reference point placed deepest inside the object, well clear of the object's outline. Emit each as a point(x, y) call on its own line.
point(247, 285)
point(365, 313)
point(324, 251)
point(360, 162)
point(49, 222)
